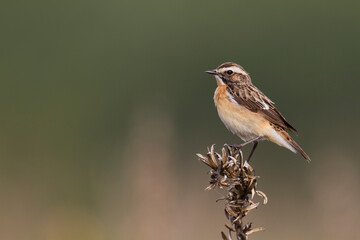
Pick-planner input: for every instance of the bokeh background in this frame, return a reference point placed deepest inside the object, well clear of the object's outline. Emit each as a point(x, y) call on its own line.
point(104, 105)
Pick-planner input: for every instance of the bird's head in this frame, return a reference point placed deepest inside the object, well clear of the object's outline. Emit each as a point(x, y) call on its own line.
point(230, 73)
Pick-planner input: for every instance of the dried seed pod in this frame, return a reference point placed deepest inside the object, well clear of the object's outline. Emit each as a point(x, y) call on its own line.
point(261, 194)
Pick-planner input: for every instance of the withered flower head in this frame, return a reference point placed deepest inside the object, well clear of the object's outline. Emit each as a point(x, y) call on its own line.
point(230, 171)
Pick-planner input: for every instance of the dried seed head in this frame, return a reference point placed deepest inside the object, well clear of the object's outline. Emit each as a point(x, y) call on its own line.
point(229, 170)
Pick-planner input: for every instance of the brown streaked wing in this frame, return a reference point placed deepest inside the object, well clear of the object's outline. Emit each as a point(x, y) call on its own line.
point(254, 100)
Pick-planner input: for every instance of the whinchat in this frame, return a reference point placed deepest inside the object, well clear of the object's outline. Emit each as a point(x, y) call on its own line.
point(247, 112)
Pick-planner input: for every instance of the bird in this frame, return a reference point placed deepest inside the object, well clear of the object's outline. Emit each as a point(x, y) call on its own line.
point(249, 113)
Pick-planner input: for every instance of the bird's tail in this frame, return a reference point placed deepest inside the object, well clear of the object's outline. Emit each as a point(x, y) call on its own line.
point(295, 145)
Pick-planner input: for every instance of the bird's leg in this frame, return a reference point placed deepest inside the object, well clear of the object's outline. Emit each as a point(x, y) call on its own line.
point(238, 146)
point(252, 150)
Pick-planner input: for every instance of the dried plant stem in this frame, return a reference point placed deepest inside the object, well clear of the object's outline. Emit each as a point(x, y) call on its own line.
point(230, 171)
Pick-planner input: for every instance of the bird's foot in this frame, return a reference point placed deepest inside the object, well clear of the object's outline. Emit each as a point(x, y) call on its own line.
point(237, 146)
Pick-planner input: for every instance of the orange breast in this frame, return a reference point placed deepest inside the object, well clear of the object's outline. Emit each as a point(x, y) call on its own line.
point(238, 119)
point(220, 94)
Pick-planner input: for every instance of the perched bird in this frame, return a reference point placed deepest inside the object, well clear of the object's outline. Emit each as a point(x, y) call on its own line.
point(247, 112)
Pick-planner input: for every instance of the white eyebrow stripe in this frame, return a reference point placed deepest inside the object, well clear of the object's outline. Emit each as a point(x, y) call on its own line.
point(236, 70)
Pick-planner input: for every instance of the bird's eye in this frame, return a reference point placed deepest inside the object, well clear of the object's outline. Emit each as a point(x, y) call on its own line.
point(229, 72)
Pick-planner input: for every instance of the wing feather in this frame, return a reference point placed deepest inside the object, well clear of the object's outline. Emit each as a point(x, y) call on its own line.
point(254, 100)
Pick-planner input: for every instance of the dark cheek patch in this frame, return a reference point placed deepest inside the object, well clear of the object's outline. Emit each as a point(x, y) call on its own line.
point(226, 81)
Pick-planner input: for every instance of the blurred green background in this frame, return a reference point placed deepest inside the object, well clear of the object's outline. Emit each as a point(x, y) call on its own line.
point(105, 103)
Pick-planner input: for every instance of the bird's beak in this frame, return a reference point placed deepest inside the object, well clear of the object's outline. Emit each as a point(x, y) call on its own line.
point(213, 72)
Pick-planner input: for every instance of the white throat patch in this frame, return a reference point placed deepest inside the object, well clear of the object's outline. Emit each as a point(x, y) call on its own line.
point(219, 80)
